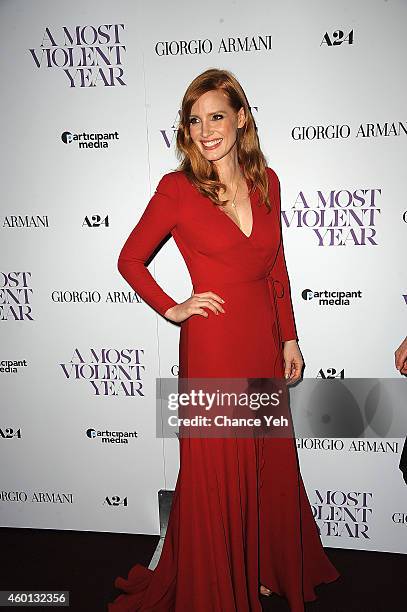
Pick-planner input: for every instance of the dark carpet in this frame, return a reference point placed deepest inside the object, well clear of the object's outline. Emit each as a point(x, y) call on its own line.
point(86, 564)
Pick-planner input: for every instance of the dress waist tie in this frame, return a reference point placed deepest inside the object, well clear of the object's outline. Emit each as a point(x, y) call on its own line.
point(276, 292)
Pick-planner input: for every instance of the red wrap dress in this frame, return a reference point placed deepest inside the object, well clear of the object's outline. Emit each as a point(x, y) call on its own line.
point(240, 515)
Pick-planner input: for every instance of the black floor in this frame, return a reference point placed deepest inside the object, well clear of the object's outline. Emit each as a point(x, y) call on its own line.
point(86, 564)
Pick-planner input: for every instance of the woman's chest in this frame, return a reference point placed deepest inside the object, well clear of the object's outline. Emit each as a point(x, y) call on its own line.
point(204, 227)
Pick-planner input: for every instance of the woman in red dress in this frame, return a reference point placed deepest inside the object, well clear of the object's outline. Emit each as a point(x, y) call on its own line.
point(240, 521)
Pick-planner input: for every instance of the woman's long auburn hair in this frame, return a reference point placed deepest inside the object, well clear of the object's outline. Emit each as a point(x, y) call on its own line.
point(201, 172)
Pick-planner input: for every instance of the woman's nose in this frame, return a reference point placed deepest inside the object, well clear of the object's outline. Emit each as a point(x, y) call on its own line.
point(205, 129)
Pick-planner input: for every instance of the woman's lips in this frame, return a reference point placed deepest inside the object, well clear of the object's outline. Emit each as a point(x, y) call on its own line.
point(207, 147)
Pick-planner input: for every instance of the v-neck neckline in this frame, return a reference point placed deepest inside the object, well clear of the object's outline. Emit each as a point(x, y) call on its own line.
point(251, 196)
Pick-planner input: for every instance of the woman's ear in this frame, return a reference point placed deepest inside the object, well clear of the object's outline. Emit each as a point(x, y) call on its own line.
point(241, 118)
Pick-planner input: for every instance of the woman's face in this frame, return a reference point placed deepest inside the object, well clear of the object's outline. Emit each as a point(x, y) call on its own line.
point(213, 124)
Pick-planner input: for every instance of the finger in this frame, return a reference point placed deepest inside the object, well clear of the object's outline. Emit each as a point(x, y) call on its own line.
point(400, 360)
point(214, 309)
point(206, 304)
point(295, 374)
point(212, 295)
point(300, 365)
point(216, 296)
point(211, 304)
point(400, 356)
point(199, 311)
point(296, 369)
point(217, 305)
point(287, 370)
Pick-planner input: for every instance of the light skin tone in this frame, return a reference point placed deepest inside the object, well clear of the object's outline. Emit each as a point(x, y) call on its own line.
point(400, 357)
point(212, 118)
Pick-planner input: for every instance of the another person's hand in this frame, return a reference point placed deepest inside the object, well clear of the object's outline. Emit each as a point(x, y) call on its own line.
point(401, 357)
point(293, 361)
point(195, 305)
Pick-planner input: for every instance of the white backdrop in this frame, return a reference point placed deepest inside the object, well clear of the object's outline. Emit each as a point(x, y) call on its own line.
point(85, 350)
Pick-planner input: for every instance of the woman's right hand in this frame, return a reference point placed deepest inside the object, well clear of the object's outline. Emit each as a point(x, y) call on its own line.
point(195, 305)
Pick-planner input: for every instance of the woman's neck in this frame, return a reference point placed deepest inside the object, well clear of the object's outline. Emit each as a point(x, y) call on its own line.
point(228, 169)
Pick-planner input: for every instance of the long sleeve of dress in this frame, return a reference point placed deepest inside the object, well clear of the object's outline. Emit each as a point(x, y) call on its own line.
point(279, 272)
point(156, 222)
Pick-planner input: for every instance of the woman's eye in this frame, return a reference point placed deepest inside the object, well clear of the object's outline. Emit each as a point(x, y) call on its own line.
point(217, 117)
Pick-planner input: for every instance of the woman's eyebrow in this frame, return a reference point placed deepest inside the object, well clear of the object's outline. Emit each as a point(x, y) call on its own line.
point(213, 113)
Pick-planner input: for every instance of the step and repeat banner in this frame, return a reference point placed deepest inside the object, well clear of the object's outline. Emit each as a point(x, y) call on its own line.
point(89, 107)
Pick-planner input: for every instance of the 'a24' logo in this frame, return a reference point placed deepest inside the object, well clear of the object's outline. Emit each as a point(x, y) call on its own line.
point(9, 432)
point(115, 500)
point(96, 221)
point(331, 373)
point(337, 38)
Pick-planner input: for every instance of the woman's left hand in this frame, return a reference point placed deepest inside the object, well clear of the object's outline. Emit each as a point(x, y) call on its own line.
point(293, 361)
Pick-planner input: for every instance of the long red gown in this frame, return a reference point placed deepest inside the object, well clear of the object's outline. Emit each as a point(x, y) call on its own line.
point(240, 515)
